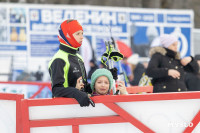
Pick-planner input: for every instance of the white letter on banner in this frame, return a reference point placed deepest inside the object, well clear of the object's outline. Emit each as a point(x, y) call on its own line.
point(107, 18)
point(80, 15)
point(95, 17)
point(68, 15)
point(89, 17)
point(57, 16)
point(46, 16)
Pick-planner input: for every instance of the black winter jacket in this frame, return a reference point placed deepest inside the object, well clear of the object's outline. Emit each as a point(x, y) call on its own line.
point(138, 71)
point(65, 68)
point(192, 81)
point(162, 60)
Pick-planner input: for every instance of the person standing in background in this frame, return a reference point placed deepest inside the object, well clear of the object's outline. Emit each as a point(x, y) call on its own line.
point(193, 80)
point(127, 69)
point(93, 67)
point(167, 68)
point(39, 74)
point(137, 67)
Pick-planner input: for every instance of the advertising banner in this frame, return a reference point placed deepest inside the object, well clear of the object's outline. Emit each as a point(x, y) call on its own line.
point(29, 32)
point(28, 90)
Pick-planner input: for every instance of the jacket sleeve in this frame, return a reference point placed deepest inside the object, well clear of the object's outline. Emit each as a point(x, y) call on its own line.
point(154, 70)
point(192, 66)
point(56, 71)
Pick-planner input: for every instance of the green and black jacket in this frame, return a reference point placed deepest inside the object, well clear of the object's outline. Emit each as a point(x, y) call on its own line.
point(65, 68)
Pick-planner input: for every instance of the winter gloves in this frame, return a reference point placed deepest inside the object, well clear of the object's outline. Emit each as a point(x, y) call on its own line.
point(82, 98)
point(114, 73)
point(87, 88)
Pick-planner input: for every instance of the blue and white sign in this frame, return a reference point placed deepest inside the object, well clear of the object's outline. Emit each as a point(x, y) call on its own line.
point(33, 29)
point(141, 26)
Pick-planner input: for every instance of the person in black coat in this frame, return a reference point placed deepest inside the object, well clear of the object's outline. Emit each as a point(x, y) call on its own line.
point(167, 68)
point(138, 68)
point(93, 67)
point(193, 80)
point(66, 68)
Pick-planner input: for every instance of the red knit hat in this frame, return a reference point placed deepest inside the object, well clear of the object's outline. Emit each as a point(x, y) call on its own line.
point(66, 31)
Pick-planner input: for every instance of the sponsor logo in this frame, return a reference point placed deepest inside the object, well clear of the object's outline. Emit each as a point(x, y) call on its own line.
point(75, 70)
point(68, 36)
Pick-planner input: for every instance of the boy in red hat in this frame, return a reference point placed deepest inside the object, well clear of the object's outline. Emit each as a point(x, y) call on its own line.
point(66, 68)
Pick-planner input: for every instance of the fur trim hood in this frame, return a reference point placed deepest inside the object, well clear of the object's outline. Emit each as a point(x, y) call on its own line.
point(162, 51)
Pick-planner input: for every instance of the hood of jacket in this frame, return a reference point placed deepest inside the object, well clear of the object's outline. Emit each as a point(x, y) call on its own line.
point(163, 51)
